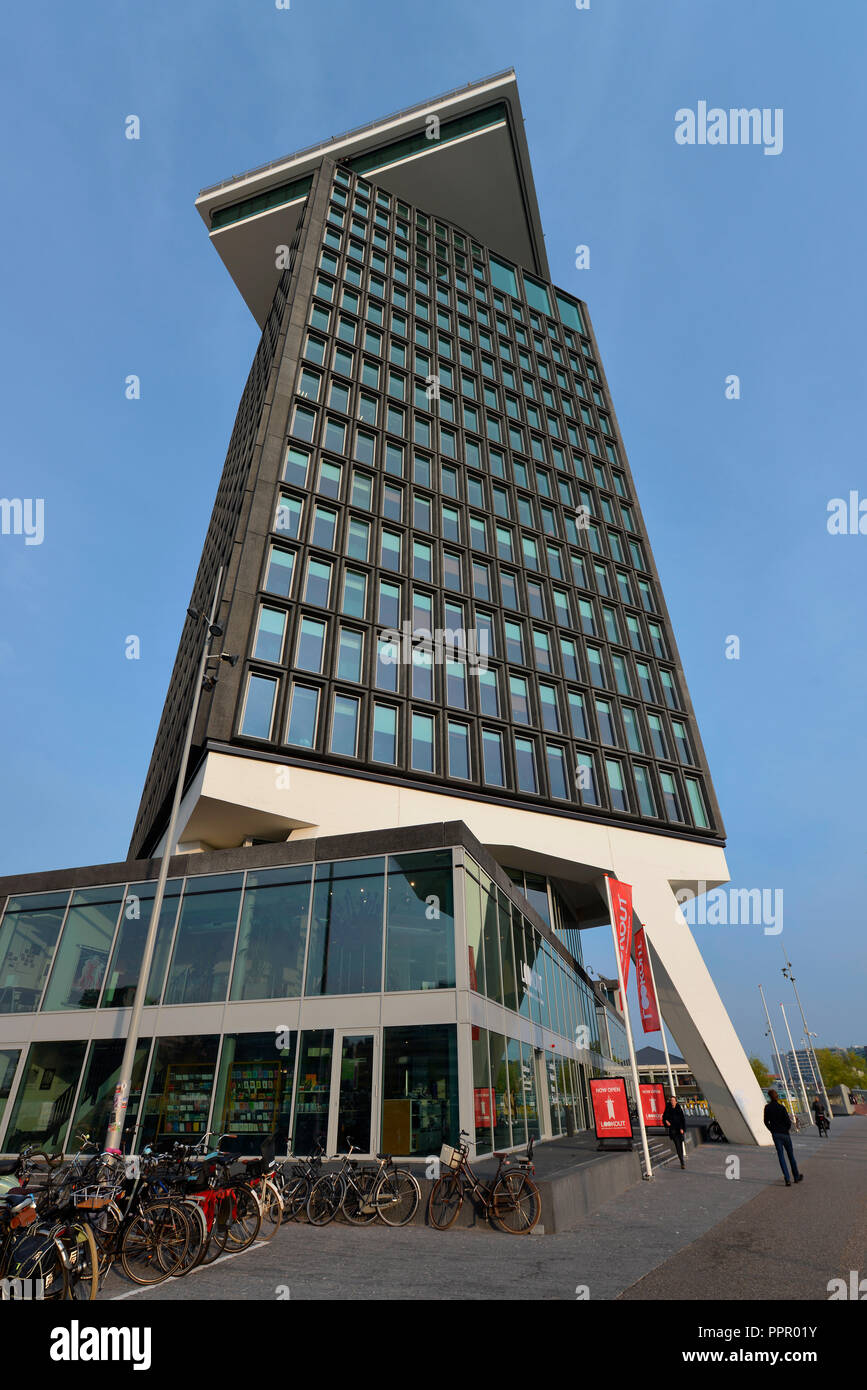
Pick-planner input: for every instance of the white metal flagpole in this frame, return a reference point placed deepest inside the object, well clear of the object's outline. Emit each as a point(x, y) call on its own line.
point(807, 1113)
point(648, 1173)
point(783, 1076)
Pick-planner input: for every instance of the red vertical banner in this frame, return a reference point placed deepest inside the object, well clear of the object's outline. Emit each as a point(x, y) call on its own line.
point(646, 993)
point(620, 901)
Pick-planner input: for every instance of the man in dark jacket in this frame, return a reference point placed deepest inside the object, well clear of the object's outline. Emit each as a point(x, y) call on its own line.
point(822, 1123)
point(675, 1122)
point(778, 1122)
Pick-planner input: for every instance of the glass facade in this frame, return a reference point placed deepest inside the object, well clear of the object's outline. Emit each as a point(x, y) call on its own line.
point(486, 434)
point(394, 928)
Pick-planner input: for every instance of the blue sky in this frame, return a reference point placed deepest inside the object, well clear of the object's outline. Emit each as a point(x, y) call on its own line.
point(705, 261)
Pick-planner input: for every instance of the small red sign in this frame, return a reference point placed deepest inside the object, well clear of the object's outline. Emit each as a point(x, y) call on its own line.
point(652, 1103)
point(611, 1108)
point(484, 1107)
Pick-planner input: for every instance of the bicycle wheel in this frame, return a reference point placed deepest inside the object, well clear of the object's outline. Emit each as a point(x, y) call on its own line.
point(154, 1243)
point(272, 1210)
point(445, 1201)
point(218, 1235)
point(198, 1237)
point(358, 1205)
point(82, 1262)
point(397, 1197)
point(105, 1225)
point(516, 1204)
point(295, 1194)
point(326, 1196)
point(246, 1218)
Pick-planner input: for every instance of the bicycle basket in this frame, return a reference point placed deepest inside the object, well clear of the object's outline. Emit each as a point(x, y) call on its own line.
point(92, 1198)
point(449, 1157)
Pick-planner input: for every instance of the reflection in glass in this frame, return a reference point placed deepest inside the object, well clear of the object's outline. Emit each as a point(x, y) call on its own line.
point(420, 1089)
point(82, 957)
point(420, 930)
point(43, 1105)
point(314, 1091)
point(346, 928)
point(269, 961)
point(202, 956)
point(28, 935)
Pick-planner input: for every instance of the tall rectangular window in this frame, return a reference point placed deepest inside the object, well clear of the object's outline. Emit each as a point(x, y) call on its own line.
point(301, 731)
point(281, 566)
point(384, 734)
point(259, 707)
point(459, 750)
point(422, 742)
point(350, 648)
point(344, 725)
point(269, 634)
point(311, 645)
point(492, 751)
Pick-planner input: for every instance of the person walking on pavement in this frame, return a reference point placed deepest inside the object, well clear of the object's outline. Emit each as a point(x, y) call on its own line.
point(778, 1122)
point(675, 1122)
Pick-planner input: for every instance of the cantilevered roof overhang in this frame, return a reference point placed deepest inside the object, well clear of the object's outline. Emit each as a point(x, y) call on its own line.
point(471, 167)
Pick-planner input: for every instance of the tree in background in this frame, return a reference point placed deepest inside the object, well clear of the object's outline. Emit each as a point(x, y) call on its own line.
point(761, 1073)
point(841, 1068)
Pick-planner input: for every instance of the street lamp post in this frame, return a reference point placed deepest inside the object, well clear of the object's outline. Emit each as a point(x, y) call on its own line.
point(790, 975)
point(204, 681)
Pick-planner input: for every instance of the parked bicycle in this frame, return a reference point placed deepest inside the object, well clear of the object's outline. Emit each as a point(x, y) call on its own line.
point(511, 1198)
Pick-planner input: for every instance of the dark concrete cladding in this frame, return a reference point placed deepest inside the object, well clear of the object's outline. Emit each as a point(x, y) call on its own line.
point(522, 438)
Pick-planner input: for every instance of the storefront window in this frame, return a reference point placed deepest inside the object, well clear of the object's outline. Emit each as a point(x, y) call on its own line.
point(491, 948)
point(484, 1102)
point(96, 1097)
point(510, 991)
point(420, 1089)
point(28, 935)
point(314, 1091)
point(254, 1090)
point(8, 1063)
point(269, 963)
point(346, 928)
point(502, 1092)
point(80, 964)
point(420, 925)
point(476, 955)
point(199, 971)
point(43, 1105)
point(179, 1091)
point(125, 967)
point(517, 1090)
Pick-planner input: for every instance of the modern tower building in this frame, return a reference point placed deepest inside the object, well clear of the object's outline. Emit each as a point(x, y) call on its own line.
point(458, 702)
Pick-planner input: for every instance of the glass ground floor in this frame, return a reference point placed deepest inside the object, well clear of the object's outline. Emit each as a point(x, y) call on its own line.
point(392, 991)
point(405, 1088)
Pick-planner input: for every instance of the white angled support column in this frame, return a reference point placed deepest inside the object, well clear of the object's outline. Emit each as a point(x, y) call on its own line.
point(695, 1014)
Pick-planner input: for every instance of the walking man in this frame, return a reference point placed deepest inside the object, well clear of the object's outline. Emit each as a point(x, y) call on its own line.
point(778, 1122)
point(675, 1122)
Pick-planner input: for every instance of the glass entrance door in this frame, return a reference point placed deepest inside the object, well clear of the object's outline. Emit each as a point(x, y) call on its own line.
point(352, 1092)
